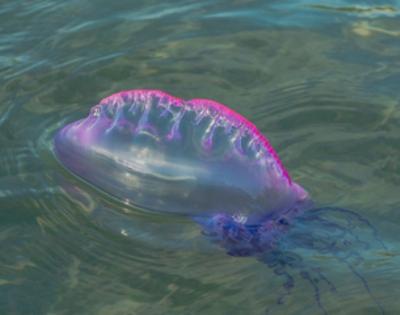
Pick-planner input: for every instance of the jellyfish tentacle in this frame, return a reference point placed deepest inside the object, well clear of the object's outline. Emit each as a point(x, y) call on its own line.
point(360, 218)
point(321, 276)
point(365, 284)
point(278, 262)
point(326, 225)
point(274, 242)
point(342, 248)
point(317, 294)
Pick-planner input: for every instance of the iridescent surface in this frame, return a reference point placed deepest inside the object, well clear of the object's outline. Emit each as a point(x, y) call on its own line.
point(319, 78)
point(162, 153)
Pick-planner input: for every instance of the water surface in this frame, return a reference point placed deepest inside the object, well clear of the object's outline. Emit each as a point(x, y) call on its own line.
point(319, 78)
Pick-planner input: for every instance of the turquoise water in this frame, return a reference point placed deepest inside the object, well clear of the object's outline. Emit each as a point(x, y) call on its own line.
point(319, 78)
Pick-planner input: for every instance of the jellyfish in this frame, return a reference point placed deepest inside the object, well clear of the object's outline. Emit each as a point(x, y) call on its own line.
point(199, 158)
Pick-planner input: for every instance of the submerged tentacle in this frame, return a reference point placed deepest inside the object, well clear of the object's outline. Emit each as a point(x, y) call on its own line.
point(360, 219)
point(321, 276)
point(306, 275)
point(279, 262)
point(285, 264)
point(365, 284)
point(338, 240)
point(283, 242)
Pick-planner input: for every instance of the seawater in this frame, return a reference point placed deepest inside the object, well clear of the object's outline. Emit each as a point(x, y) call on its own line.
point(319, 78)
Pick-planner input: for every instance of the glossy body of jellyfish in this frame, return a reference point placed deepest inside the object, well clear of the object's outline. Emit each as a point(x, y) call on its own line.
point(201, 159)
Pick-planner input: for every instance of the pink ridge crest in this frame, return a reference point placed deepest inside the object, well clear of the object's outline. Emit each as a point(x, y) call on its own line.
point(230, 114)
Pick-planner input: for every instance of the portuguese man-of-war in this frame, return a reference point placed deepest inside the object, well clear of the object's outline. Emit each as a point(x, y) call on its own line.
point(201, 159)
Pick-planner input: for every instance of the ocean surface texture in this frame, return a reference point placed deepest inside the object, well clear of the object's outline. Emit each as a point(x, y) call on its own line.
point(321, 79)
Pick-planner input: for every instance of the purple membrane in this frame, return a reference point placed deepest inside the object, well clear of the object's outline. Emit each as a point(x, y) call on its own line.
point(201, 159)
point(194, 157)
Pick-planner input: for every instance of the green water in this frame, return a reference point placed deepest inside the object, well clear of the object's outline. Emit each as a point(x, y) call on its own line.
point(319, 78)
